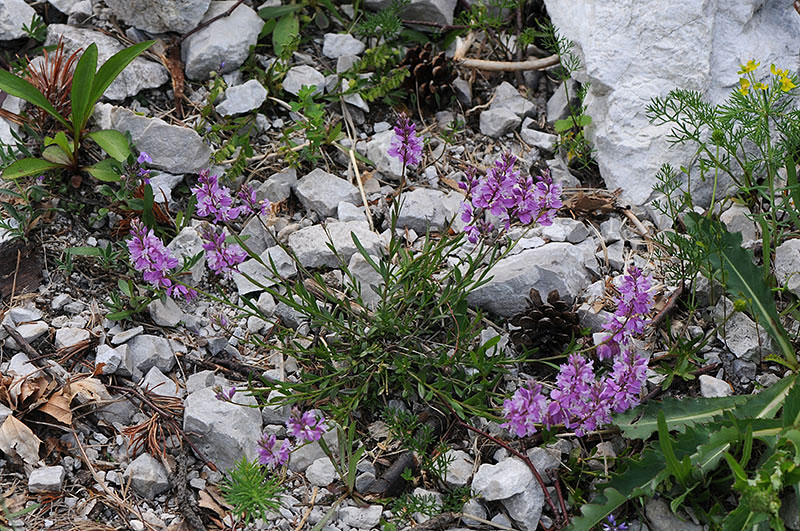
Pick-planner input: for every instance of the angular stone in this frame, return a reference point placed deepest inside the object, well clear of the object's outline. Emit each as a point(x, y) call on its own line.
point(13, 15)
point(321, 472)
point(736, 219)
point(187, 244)
point(539, 139)
point(109, 357)
point(497, 122)
point(68, 337)
point(242, 98)
point(284, 265)
point(278, 187)
point(377, 152)
point(32, 331)
point(299, 76)
point(223, 431)
point(440, 11)
point(526, 507)
point(224, 44)
point(506, 96)
point(661, 518)
point(322, 192)
point(503, 480)
point(147, 476)
point(714, 387)
point(361, 517)
point(303, 456)
point(368, 279)
point(310, 244)
point(787, 265)
point(159, 384)
point(336, 45)
point(46, 479)
point(459, 468)
point(552, 266)
point(140, 74)
point(740, 333)
point(146, 351)
point(165, 313)
point(160, 16)
point(565, 230)
point(422, 209)
point(174, 149)
point(24, 314)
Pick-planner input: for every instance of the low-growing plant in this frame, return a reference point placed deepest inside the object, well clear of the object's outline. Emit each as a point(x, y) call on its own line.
point(63, 151)
point(313, 126)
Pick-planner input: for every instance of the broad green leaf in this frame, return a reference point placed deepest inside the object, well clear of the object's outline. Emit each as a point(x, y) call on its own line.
point(54, 153)
point(742, 278)
point(62, 141)
point(564, 125)
point(285, 30)
point(82, 81)
point(592, 514)
point(20, 88)
point(29, 166)
point(279, 11)
point(113, 67)
point(584, 120)
point(113, 142)
point(105, 171)
point(124, 287)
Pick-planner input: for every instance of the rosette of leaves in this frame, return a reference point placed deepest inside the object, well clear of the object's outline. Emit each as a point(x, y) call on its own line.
point(63, 151)
point(546, 325)
point(430, 75)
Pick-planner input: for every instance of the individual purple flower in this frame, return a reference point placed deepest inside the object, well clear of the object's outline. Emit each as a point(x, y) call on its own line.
point(406, 145)
point(144, 157)
point(270, 454)
point(222, 258)
point(612, 525)
point(251, 204)
point(226, 396)
point(306, 427)
point(524, 410)
point(214, 199)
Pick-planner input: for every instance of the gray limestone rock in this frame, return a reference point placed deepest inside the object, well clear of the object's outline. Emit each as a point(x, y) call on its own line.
point(146, 351)
point(69, 337)
point(377, 152)
point(165, 313)
point(714, 387)
point(499, 121)
point(46, 479)
point(565, 230)
point(526, 507)
point(337, 45)
point(242, 98)
point(310, 244)
point(422, 209)
point(158, 383)
point(147, 476)
point(13, 15)
point(459, 468)
point(368, 279)
point(174, 149)
point(736, 219)
point(223, 431)
point(110, 357)
point(322, 192)
point(278, 187)
point(440, 11)
point(284, 265)
point(140, 74)
point(661, 518)
point(506, 96)
point(740, 333)
point(361, 517)
point(303, 75)
point(501, 481)
point(159, 16)
point(321, 472)
point(223, 45)
point(787, 265)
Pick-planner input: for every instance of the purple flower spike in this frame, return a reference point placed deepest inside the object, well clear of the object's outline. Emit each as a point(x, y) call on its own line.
point(213, 199)
point(222, 259)
point(144, 157)
point(306, 427)
point(251, 204)
point(406, 145)
point(270, 454)
point(524, 410)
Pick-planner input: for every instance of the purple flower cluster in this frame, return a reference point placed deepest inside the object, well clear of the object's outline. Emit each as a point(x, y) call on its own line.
point(612, 524)
point(250, 202)
point(214, 199)
point(304, 427)
point(510, 197)
point(222, 259)
point(150, 257)
point(406, 145)
point(225, 396)
point(580, 399)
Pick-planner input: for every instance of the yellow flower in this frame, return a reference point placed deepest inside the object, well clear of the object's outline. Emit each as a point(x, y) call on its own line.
point(745, 86)
point(777, 71)
point(749, 67)
point(786, 84)
point(760, 86)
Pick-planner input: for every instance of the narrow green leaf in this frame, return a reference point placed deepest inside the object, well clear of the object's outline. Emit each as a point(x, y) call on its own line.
point(82, 81)
point(105, 171)
point(791, 408)
point(285, 30)
point(85, 251)
point(279, 11)
point(113, 67)
point(20, 88)
point(29, 166)
point(664, 441)
point(119, 316)
point(113, 142)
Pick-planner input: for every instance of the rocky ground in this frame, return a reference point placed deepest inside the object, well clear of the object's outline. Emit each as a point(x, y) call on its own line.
point(77, 449)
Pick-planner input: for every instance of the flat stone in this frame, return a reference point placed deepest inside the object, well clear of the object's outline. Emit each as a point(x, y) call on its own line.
point(263, 274)
point(299, 76)
point(173, 148)
point(46, 479)
point(223, 45)
point(736, 219)
point(165, 313)
point(310, 244)
point(278, 187)
point(158, 383)
point(24, 314)
point(223, 431)
point(321, 472)
point(140, 74)
point(361, 517)
point(503, 480)
point(714, 387)
point(126, 335)
point(304, 456)
point(497, 122)
point(69, 337)
point(335, 45)
point(32, 331)
point(545, 459)
point(160, 16)
point(147, 476)
point(539, 139)
point(422, 210)
point(242, 98)
point(322, 192)
point(565, 230)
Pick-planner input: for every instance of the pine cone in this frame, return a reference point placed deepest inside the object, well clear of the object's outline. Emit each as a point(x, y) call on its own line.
point(547, 326)
point(430, 76)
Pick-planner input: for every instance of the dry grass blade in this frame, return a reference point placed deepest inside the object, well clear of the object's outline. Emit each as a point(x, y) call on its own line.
point(153, 433)
point(53, 78)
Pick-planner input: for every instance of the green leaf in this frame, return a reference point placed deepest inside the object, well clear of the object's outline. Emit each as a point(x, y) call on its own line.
point(592, 514)
point(29, 166)
point(791, 408)
point(62, 141)
point(279, 11)
point(85, 251)
point(82, 81)
point(57, 155)
point(119, 316)
point(113, 67)
point(562, 126)
point(584, 120)
point(113, 142)
point(125, 287)
point(285, 30)
point(20, 88)
point(742, 278)
point(675, 467)
point(105, 171)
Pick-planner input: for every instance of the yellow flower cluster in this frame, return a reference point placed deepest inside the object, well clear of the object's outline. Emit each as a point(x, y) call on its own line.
point(746, 83)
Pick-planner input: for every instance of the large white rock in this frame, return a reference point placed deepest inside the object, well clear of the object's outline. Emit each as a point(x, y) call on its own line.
point(503, 480)
point(13, 15)
point(310, 244)
point(635, 50)
point(158, 16)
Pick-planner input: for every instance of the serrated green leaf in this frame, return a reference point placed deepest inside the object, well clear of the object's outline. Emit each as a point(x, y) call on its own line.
point(285, 30)
point(29, 166)
point(113, 142)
